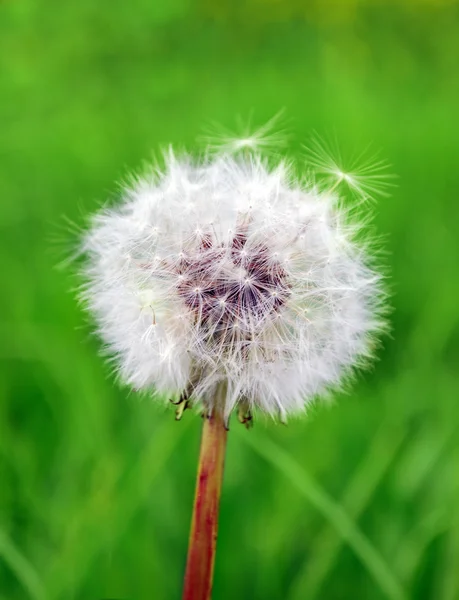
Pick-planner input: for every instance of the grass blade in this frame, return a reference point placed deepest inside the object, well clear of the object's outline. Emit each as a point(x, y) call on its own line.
point(331, 510)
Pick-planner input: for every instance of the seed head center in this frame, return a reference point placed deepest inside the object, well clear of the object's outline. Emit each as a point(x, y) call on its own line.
point(233, 284)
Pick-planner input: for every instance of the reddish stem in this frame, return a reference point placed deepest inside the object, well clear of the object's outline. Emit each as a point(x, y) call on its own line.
point(203, 534)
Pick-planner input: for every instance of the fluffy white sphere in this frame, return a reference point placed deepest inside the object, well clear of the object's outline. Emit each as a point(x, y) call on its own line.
point(227, 270)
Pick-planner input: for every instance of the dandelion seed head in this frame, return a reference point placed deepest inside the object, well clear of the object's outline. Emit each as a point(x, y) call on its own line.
point(263, 285)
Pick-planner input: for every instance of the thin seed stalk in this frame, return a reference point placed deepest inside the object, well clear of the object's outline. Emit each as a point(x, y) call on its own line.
point(204, 524)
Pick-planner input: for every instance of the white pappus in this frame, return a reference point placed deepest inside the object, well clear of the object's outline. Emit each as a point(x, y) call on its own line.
point(226, 269)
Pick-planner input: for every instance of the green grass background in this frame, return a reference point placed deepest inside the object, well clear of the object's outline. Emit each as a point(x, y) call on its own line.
point(361, 499)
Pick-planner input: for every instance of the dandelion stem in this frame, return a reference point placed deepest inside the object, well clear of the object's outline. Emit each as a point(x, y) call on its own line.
point(203, 534)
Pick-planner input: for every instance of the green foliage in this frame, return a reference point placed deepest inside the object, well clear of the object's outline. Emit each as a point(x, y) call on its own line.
point(358, 501)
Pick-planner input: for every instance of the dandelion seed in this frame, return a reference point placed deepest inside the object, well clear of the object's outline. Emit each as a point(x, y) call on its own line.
point(267, 138)
point(367, 176)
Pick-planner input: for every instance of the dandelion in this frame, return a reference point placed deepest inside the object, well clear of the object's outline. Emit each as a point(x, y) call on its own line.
point(227, 283)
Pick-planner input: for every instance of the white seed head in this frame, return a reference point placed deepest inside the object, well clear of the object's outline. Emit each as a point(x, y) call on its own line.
point(225, 269)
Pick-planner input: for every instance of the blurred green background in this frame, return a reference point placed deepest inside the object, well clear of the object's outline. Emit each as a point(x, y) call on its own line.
point(96, 485)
